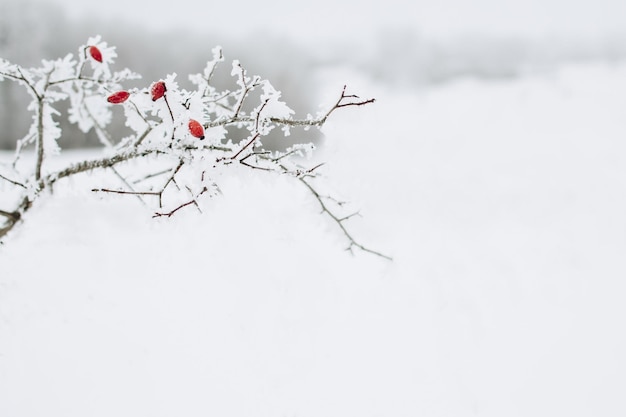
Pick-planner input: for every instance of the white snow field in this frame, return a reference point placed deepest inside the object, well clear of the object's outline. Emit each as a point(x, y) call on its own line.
point(503, 203)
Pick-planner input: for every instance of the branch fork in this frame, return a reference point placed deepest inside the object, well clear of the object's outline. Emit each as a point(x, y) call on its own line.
point(182, 167)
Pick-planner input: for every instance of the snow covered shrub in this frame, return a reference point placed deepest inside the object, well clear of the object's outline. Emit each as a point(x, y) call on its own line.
point(180, 135)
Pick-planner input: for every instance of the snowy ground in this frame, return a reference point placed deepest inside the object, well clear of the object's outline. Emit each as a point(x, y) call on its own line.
point(502, 203)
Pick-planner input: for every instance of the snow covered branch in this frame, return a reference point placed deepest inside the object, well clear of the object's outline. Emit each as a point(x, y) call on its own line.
point(180, 136)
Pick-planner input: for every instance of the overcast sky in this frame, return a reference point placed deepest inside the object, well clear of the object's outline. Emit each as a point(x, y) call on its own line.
point(352, 18)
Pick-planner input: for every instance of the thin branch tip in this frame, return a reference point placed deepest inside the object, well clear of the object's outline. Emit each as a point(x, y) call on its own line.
point(176, 169)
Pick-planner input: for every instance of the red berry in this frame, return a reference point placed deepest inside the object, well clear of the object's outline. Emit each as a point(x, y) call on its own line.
point(196, 129)
point(158, 90)
point(118, 97)
point(95, 53)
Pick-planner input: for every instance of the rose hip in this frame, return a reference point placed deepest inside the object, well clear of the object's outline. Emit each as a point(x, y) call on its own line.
point(95, 53)
point(196, 129)
point(118, 97)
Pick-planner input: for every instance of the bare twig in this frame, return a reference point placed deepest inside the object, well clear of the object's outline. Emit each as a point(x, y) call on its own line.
point(258, 115)
point(188, 203)
point(15, 216)
point(138, 193)
point(19, 184)
point(179, 154)
point(236, 119)
point(168, 106)
point(243, 162)
point(153, 175)
point(170, 180)
point(340, 222)
point(143, 135)
point(250, 142)
point(171, 213)
point(126, 183)
point(105, 162)
point(40, 141)
point(12, 216)
point(195, 202)
point(246, 88)
point(215, 62)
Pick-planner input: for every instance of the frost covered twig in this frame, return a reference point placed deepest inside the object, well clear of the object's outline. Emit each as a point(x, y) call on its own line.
point(179, 135)
point(311, 122)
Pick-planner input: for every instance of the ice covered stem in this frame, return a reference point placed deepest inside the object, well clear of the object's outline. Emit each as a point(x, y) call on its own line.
point(189, 161)
point(39, 98)
point(40, 138)
point(13, 217)
point(345, 100)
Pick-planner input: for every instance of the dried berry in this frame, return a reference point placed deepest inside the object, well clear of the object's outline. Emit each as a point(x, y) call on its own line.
point(95, 53)
point(158, 90)
point(196, 129)
point(118, 97)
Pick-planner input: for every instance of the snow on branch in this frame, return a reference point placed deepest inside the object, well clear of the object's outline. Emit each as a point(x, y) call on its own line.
point(179, 135)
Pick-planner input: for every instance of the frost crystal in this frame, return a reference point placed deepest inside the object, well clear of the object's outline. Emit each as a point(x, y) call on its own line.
point(180, 138)
point(7, 69)
point(274, 107)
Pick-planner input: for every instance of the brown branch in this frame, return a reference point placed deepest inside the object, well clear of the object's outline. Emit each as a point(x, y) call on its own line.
point(106, 162)
point(205, 189)
point(29, 84)
point(13, 216)
point(171, 213)
point(220, 98)
point(78, 78)
point(144, 134)
point(245, 153)
point(255, 137)
point(188, 203)
point(12, 182)
point(139, 193)
point(39, 149)
point(258, 115)
point(245, 89)
point(285, 155)
point(153, 175)
point(215, 62)
point(125, 182)
point(39, 144)
point(236, 119)
point(310, 170)
point(170, 180)
point(340, 104)
point(168, 106)
point(131, 191)
point(243, 162)
point(350, 216)
point(339, 221)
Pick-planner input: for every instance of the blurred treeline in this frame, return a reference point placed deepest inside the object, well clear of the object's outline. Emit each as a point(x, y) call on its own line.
point(31, 31)
point(398, 57)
